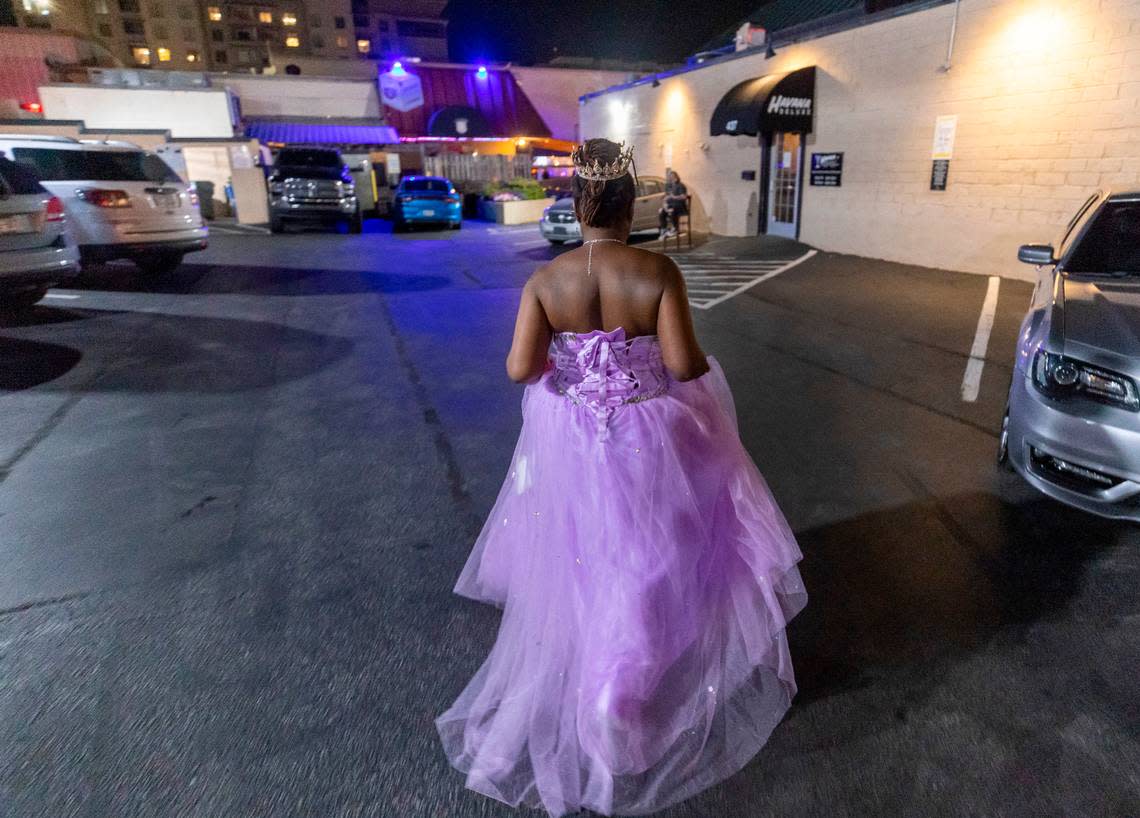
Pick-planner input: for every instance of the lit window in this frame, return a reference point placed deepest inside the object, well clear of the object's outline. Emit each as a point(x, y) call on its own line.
point(363, 46)
point(191, 56)
point(101, 7)
point(265, 17)
point(141, 55)
point(341, 41)
point(164, 55)
point(214, 13)
point(288, 18)
point(292, 41)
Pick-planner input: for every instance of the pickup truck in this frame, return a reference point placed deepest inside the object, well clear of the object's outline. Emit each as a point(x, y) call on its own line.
point(312, 185)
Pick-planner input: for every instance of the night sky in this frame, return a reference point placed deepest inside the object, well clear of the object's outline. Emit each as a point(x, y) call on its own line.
point(530, 31)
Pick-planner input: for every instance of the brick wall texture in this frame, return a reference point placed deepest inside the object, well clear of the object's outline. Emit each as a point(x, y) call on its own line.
point(1046, 93)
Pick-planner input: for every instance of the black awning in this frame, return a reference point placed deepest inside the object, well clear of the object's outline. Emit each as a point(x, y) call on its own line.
point(775, 102)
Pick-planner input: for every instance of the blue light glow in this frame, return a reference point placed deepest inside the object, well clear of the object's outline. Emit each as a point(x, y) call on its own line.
point(398, 69)
point(482, 72)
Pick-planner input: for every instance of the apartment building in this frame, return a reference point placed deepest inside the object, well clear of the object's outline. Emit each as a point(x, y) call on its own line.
point(239, 35)
point(386, 29)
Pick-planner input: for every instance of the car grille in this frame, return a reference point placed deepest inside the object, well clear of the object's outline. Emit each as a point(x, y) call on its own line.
point(561, 217)
point(314, 191)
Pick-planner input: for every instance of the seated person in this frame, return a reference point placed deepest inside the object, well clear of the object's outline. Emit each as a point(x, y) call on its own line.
point(676, 204)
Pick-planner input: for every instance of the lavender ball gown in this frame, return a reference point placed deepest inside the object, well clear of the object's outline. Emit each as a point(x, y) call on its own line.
point(646, 577)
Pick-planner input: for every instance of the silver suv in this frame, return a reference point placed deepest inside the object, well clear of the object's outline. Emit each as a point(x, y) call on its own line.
point(1072, 426)
point(123, 202)
point(35, 250)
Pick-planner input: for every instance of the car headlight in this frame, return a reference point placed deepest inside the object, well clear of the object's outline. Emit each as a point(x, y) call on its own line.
point(1060, 377)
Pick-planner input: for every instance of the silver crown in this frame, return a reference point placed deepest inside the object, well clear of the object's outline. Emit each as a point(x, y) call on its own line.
point(596, 171)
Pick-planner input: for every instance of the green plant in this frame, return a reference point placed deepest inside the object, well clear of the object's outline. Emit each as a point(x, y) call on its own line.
point(521, 187)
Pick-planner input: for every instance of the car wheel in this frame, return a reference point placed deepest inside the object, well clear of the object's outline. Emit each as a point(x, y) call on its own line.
point(356, 224)
point(1003, 440)
point(398, 226)
point(160, 263)
point(276, 225)
point(456, 225)
point(21, 300)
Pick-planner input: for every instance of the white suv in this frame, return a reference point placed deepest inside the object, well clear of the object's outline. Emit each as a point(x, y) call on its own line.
point(123, 202)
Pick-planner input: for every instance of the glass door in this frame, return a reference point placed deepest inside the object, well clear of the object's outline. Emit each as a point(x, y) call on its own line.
point(784, 184)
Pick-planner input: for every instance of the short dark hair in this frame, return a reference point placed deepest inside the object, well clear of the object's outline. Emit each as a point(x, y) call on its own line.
point(602, 204)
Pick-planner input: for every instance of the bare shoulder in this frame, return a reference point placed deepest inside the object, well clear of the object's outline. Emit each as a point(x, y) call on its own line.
point(661, 266)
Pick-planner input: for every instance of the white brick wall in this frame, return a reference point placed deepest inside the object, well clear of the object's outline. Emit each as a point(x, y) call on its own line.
point(1046, 93)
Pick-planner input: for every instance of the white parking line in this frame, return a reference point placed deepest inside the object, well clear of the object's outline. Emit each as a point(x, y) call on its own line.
point(972, 380)
point(713, 279)
point(66, 296)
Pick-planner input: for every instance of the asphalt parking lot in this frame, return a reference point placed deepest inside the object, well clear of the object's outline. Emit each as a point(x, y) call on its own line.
point(233, 504)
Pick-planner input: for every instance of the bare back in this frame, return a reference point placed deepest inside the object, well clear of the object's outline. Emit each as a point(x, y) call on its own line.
point(623, 289)
point(640, 291)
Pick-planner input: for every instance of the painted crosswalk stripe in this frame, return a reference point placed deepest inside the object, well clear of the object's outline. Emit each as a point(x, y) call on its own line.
point(712, 279)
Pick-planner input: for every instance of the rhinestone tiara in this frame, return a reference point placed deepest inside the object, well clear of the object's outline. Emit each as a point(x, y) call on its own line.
point(596, 171)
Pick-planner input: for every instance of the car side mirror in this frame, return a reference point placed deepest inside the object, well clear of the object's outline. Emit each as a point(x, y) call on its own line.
point(1038, 254)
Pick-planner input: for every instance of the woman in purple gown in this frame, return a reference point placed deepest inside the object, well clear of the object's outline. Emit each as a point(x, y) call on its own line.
point(645, 572)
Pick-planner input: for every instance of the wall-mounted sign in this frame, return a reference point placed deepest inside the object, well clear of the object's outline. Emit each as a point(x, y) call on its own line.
point(944, 130)
point(402, 91)
point(827, 169)
point(939, 173)
point(748, 175)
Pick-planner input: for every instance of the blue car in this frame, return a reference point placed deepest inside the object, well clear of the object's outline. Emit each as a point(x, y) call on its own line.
point(426, 200)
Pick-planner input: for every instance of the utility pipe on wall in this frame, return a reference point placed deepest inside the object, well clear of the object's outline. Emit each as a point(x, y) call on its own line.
point(953, 33)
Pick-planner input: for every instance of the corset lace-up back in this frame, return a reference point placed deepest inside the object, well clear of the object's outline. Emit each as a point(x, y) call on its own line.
point(604, 371)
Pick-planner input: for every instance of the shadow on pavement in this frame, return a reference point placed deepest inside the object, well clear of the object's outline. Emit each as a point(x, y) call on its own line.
point(172, 353)
point(929, 579)
point(24, 364)
point(232, 279)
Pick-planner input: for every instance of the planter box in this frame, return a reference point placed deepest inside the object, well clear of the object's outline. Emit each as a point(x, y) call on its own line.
point(520, 212)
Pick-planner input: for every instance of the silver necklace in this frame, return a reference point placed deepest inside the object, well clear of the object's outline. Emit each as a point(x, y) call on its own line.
point(590, 251)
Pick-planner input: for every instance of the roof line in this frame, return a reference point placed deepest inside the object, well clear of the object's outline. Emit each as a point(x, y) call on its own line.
point(823, 27)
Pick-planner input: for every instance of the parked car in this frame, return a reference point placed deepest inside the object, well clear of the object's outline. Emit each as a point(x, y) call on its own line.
point(559, 223)
point(35, 250)
point(426, 200)
point(1072, 426)
point(312, 185)
point(121, 201)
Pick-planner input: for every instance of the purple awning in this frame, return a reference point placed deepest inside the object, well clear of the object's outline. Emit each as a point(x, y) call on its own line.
point(295, 132)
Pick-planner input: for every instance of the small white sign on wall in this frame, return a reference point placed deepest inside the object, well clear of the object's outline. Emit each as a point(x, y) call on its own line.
point(944, 130)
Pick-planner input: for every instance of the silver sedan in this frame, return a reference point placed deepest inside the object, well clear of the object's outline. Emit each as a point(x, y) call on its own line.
point(559, 223)
point(1072, 426)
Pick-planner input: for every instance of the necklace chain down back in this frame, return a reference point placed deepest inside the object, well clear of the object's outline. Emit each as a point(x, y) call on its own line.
point(590, 251)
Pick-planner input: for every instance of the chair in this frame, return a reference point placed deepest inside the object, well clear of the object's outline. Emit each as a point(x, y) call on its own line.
point(684, 225)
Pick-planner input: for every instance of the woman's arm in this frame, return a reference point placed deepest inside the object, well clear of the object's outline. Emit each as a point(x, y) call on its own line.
point(680, 351)
point(527, 358)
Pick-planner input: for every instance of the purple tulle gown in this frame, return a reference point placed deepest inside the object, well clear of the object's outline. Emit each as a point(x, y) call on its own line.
point(646, 577)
